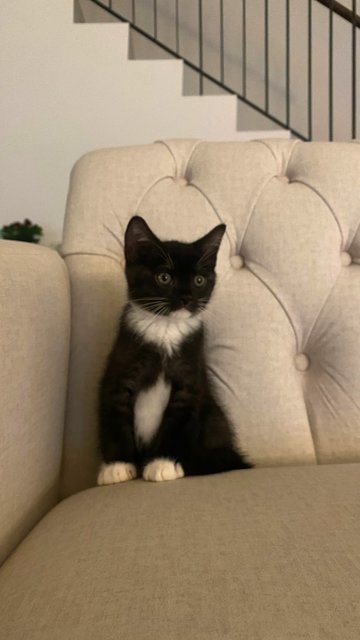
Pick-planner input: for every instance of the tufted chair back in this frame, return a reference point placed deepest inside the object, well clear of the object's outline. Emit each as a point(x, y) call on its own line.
point(283, 329)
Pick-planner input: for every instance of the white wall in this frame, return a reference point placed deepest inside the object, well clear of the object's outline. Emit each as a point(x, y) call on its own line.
point(41, 65)
point(68, 88)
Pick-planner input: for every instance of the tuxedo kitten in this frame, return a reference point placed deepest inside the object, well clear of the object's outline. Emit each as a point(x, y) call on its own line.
point(158, 415)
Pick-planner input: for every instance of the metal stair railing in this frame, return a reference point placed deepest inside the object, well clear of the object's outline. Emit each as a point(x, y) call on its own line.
point(334, 9)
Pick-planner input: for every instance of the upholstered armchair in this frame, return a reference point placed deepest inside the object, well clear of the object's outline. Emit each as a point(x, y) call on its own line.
point(271, 553)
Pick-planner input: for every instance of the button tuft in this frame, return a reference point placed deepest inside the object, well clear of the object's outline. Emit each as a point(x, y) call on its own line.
point(302, 362)
point(236, 262)
point(182, 182)
point(345, 258)
point(284, 179)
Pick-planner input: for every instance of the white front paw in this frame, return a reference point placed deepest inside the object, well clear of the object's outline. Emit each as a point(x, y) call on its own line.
point(163, 469)
point(116, 472)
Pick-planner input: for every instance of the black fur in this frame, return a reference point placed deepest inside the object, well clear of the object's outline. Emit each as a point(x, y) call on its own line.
point(194, 429)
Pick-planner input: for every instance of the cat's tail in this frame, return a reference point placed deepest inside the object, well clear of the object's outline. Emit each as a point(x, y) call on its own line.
point(207, 461)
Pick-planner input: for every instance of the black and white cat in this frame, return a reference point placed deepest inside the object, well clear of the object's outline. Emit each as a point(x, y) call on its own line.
point(157, 412)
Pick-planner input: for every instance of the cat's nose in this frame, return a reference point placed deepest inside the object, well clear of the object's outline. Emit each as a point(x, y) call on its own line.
point(185, 301)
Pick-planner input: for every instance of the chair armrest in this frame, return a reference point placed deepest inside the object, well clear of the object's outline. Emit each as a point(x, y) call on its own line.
point(34, 355)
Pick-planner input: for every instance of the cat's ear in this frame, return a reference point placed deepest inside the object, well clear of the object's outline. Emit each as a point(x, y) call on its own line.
point(138, 238)
point(208, 246)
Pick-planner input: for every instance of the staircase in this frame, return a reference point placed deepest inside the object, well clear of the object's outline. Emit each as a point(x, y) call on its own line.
point(296, 63)
point(215, 115)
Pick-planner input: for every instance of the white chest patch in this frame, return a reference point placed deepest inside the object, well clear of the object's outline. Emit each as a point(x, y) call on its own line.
point(149, 409)
point(166, 332)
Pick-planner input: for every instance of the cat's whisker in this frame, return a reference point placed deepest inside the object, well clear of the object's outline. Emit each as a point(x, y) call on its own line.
point(150, 298)
point(150, 304)
point(202, 302)
point(206, 312)
point(156, 315)
point(160, 303)
point(152, 311)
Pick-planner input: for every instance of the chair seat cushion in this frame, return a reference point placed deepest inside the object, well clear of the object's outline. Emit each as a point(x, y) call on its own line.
point(261, 555)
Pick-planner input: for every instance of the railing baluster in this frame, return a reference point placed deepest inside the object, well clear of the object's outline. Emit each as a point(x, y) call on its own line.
point(353, 78)
point(287, 61)
point(133, 11)
point(331, 50)
point(310, 70)
point(177, 26)
point(155, 19)
point(266, 54)
point(201, 52)
point(244, 48)
point(222, 66)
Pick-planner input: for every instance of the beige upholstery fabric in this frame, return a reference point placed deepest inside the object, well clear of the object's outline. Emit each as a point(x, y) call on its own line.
point(284, 330)
point(34, 353)
point(267, 554)
point(98, 292)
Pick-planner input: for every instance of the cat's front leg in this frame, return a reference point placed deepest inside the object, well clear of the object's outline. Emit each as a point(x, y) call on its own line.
point(179, 427)
point(117, 442)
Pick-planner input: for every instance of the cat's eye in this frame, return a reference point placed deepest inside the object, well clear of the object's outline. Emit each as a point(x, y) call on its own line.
point(163, 278)
point(199, 281)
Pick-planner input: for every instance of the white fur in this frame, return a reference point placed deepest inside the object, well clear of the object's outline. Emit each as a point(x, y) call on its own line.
point(116, 472)
point(167, 332)
point(163, 469)
point(149, 408)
